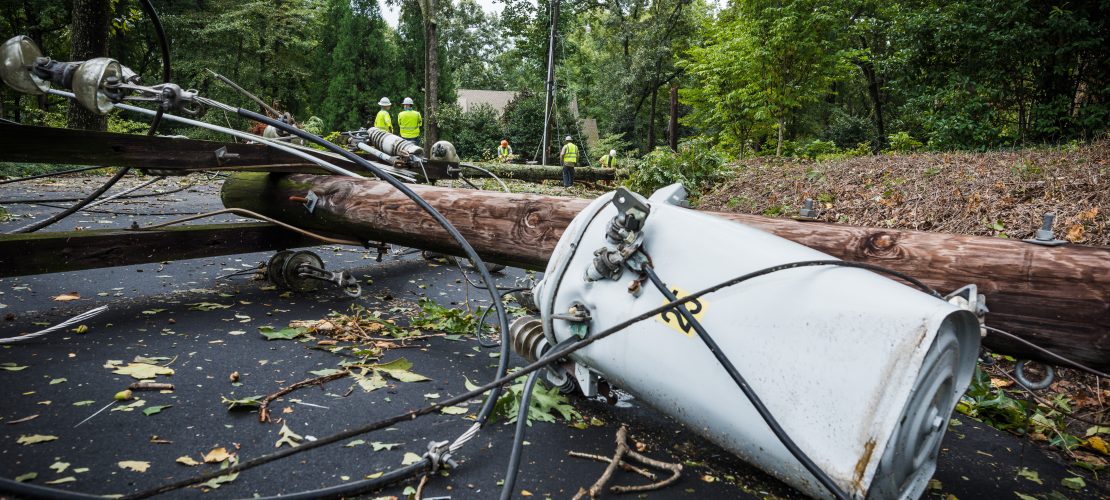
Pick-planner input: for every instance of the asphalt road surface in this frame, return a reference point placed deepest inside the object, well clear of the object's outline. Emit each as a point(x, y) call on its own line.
point(66, 381)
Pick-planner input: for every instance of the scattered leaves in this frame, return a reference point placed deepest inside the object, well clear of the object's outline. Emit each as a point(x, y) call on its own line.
point(217, 455)
point(37, 438)
point(287, 437)
point(57, 381)
point(66, 297)
point(283, 334)
point(155, 409)
point(134, 465)
point(208, 306)
point(216, 482)
point(453, 410)
point(59, 467)
point(410, 458)
point(143, 370)
point(379, 446)
point(187, 461)
point(69, 479)
point(329, 371)
point(398, 369)
point(241, 402)
point(1074, 483)
point(26, 477)
point(1030, 475)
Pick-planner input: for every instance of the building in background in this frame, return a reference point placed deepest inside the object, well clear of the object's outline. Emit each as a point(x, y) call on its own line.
point(499, 99)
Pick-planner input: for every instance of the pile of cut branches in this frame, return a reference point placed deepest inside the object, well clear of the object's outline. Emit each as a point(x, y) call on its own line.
point(997, 193)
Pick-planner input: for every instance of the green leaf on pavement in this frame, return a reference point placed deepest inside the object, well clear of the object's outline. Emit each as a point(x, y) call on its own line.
point(283, 334)
point(155, 409)
point(1075, 483)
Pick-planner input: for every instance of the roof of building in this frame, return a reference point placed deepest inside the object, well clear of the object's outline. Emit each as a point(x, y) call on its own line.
point(496, 98)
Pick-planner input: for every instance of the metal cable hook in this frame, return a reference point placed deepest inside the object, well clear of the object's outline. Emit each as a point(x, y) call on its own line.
point(1019, 374)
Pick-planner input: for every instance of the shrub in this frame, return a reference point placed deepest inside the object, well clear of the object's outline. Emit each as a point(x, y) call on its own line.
point(903, 142)
point(475, 133)
point(849, 130)
point(697, 166)
point(817, 148)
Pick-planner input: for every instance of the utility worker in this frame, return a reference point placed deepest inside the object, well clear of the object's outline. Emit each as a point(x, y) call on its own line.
point(410, 121)
point(504, 151)
point(383, 120)
point(607, 160)
point(569, 154)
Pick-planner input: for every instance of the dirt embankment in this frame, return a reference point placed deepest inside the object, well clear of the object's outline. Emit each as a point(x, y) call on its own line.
point(1000, 193)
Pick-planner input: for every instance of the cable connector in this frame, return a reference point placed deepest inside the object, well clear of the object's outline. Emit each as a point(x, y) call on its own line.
point(439, 453)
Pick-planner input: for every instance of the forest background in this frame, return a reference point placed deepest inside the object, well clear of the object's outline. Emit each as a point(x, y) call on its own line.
point(785, 77)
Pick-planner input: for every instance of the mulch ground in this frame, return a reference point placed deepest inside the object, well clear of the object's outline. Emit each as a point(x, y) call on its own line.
point(998, 193)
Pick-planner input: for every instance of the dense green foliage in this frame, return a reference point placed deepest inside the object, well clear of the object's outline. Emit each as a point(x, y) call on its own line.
point(754, 77)
point(966, 75)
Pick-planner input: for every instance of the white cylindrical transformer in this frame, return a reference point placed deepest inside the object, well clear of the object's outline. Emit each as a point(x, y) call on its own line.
point(861, 371)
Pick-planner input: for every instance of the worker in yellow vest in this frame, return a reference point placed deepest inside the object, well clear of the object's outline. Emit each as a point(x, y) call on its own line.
point(569, 154)
point(607, 160)
point(410, 121)
point(504, 151)
point(383, 121)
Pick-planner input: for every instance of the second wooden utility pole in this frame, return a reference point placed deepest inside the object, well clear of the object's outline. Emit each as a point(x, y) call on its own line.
point(549, 99)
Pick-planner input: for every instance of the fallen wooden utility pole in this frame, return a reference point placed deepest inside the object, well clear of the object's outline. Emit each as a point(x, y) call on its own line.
point(537, 173)
point(63, 251)
point(1056, 297)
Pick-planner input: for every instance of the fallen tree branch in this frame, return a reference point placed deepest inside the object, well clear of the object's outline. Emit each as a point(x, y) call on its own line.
point(624, 465)
point(149, 386)
point(264, 412)
point(624, 451)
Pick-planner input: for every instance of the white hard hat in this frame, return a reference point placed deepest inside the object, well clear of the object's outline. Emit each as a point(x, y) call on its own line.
point(612, 152)
point(567, 139)
point(384, 102)
point(408, 100)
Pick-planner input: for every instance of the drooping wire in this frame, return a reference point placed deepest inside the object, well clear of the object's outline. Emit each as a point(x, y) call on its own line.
point(1049, 353)
point(76, 319)
point(52, 174)
point(128, 197)
point(753, 398)
point(522, 421)
point(164, 43)
point(6, 484)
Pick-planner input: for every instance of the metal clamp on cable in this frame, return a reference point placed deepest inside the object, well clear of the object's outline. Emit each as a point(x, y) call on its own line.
point(342, 279)
point(439, 453)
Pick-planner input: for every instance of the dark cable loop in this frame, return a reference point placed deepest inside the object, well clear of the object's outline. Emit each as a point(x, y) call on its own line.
point(812, 467)
point(503, 363)
point(482, 319)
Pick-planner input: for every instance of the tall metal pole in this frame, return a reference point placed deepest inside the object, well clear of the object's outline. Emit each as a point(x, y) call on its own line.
point(550, 88)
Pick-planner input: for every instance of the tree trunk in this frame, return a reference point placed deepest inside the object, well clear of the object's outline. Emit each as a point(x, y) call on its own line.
point(672, 129)
point(431, 77)
point(782, 125)
point(873, 89)
point(651, 123)
point(88, 40)
point(1056, 297)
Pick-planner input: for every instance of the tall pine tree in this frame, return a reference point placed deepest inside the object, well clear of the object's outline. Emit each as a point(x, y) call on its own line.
point(362, 65)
